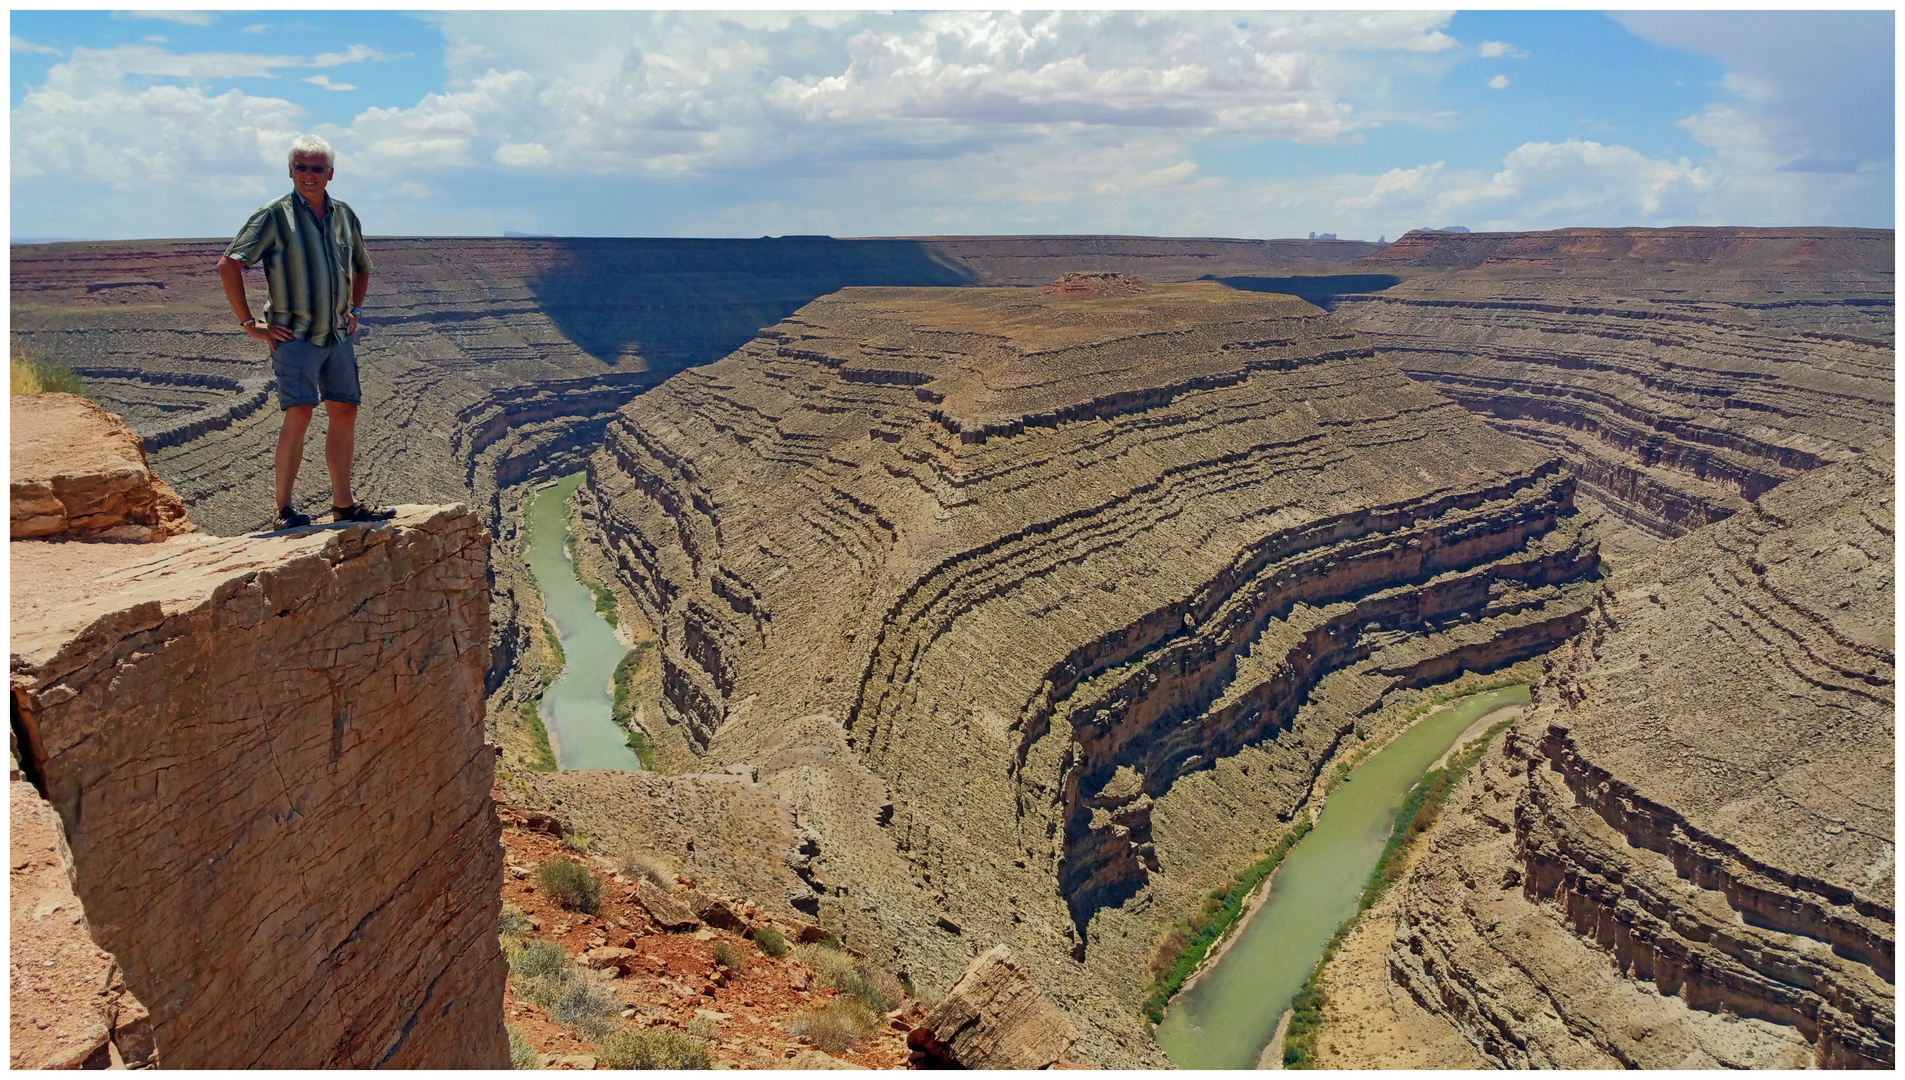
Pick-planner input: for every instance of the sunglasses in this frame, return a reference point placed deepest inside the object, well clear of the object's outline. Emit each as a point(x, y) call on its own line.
point(301, 167)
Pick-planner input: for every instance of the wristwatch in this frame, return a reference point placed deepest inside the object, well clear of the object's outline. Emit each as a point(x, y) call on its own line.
point(357, 312)
point(250, 321)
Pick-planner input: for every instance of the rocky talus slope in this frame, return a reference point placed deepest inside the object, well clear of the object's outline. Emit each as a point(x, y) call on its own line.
point(263, 760)
point(1042, 607)
point(1684, 854)
point(1680, 372)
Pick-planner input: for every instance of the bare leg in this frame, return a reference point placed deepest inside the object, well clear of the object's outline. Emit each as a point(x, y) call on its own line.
point(297, 419)
point(340, 442)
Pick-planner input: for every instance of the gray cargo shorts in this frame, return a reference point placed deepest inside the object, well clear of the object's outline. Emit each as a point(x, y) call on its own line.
point(307, 372)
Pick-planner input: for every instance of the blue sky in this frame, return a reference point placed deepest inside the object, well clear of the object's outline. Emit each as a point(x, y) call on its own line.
point(673, 123)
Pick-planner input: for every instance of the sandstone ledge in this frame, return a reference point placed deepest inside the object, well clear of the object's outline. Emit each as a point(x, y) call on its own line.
point(77, 471)
point(267, 755)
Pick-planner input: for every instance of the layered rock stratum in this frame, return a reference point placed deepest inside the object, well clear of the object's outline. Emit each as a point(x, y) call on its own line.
point(1042, 610)
point(263, 767)
point(490, 362)
point(1684, 854)
point(1680, 372)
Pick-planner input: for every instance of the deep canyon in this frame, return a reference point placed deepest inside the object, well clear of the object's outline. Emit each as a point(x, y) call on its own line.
point(1040, 582)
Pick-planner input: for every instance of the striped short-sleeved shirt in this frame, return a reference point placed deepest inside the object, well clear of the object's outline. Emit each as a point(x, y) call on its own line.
point(308, 263)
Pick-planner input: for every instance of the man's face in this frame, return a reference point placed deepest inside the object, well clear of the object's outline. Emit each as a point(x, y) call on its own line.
point(309, 175)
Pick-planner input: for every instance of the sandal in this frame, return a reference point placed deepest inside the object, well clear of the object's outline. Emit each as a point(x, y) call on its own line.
point(360, 512)
point(289, 519)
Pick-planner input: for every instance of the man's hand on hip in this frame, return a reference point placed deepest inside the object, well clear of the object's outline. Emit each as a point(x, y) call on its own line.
point(265, 331)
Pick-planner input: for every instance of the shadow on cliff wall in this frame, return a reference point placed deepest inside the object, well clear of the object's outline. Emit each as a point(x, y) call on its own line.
point(677, 303)
point(1321, 290)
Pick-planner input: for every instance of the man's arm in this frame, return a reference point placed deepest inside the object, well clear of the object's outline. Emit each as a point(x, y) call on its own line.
point(231, 274)
point(360, 287)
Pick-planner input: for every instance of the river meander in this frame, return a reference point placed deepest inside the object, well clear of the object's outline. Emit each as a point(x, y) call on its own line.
point(1227, 1016)
point(578, 709)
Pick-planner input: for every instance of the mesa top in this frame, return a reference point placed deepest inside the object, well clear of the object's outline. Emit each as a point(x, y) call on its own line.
point(308, 263)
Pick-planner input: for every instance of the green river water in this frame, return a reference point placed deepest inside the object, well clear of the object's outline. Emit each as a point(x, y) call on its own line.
point(578, 708)
point(1227, 1017)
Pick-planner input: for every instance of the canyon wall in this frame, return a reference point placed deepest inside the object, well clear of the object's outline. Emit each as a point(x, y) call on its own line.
point(263, 768)
point(1042, 607)
point(1684, 854)
point(1680, 372)
point(488, 361)
point(491, 362)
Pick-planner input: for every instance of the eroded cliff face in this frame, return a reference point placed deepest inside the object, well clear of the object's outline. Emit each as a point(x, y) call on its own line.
point(995, 585)
point(265, 756)
point(494, 362)
point(1680, 372)
point(1684, 854)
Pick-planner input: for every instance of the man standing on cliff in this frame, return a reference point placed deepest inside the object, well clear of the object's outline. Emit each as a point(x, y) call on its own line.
point(316, 275)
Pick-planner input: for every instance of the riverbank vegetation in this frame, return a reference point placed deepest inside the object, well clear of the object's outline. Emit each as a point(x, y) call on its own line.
point(630, 675)
point(1413, 820)
point(1188, 941)
point(542, 756)
point(1410, 706)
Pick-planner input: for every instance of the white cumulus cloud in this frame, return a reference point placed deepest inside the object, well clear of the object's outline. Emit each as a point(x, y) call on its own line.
point(186, 18)
point(1499, 82)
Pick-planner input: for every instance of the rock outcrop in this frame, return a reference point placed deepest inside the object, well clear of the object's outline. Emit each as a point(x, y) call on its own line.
point(995, 585)
point(1684, 854)
point(265, 755)
point(77, 471)
point(1680, 372)
point(994, 1017)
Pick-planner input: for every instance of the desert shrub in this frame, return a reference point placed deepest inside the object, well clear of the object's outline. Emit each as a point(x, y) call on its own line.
point(29, 376)
point(637, 863)
point(837, 1027)
point(536, 960)
point(728, 956)
point(703, 1028)
point(571, 884)
point(662, 1048)
point(585, 1005)
point(771, 941)
point(877, 991)
point(521, 1054)
point(512, 923)
point(830, 966)
point(570, 995)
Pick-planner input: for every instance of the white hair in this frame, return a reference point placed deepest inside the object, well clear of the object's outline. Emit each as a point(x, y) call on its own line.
point(311, 146)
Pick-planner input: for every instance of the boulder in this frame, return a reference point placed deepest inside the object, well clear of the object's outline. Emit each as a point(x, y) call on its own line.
point(539, 821)
point(609, 956)
point(669, 912)
point(994, 1017)
point(716, 912)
